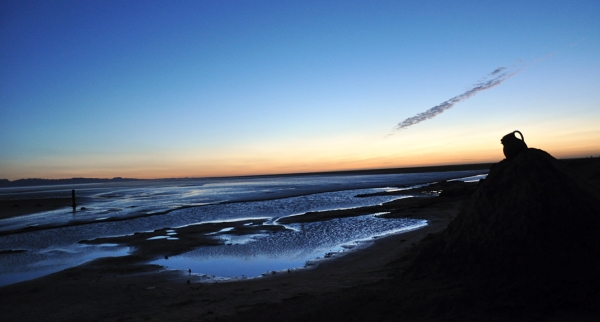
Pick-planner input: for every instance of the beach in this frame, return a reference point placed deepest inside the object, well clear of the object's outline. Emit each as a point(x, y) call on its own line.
point(108, 289)
point(219, 228)
point(369, 283)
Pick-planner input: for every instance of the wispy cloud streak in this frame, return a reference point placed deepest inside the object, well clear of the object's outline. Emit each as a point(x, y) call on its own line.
point(498, 76)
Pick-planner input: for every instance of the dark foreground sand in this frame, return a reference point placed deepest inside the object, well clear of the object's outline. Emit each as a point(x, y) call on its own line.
point(368, 284)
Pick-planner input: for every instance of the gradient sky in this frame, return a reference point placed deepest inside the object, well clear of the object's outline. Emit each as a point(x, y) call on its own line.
point(153, 89)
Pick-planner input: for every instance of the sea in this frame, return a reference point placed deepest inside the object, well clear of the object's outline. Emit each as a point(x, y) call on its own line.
point(43, 243)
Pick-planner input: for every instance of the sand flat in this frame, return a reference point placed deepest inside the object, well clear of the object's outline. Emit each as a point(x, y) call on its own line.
point(112, 288)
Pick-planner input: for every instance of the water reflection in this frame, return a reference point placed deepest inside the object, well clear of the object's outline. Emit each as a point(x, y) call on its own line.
point(140, 198)
point(55, 249)
point(256, 255)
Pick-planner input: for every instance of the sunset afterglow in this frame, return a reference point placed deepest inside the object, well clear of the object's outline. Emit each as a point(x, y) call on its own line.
point(156, 89)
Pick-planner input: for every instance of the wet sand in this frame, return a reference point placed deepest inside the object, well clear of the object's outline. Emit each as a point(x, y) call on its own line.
point(17, 203)
point(127, 288)
point(112, 289)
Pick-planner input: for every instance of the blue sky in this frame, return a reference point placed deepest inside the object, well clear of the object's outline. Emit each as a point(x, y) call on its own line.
point(208, 88)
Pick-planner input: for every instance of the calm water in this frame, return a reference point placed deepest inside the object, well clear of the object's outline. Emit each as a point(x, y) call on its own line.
point(156, 204)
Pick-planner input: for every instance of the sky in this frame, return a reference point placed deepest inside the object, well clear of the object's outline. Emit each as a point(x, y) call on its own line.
point(164, 89)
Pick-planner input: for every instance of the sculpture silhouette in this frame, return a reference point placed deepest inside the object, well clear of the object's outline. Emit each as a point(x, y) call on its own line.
point(512, 145)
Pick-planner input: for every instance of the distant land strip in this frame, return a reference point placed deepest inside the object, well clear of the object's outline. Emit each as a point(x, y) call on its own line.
point(5, 183)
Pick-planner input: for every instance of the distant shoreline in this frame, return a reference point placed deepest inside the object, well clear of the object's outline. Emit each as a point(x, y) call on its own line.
point(5, 183)
point(31, 182)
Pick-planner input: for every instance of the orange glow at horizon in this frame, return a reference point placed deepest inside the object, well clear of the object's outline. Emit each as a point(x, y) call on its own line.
point(271, 167)
point(423, 146)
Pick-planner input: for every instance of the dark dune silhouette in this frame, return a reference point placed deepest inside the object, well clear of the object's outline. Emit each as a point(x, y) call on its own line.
point(527, 238)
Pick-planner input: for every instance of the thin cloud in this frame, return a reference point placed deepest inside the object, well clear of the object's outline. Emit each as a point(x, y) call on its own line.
point(500, 74)
point(498, 70)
